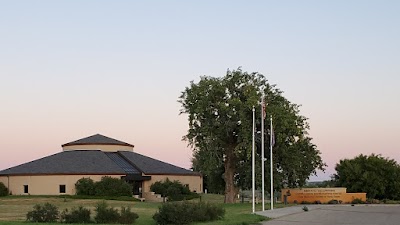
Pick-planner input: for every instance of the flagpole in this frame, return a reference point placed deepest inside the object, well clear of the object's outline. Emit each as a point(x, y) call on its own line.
point(262, 151)
point(272, 172)
point(253, 177)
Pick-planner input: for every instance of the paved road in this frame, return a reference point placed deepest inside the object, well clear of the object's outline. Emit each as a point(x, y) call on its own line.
point(335, 215)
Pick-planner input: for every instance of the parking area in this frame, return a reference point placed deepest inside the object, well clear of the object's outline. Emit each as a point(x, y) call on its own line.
point(335, 215)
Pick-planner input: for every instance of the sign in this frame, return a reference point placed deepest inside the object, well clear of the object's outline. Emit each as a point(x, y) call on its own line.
point(320, 195)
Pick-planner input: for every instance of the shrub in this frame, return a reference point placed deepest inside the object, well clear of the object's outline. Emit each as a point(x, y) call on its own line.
point(85, 186)
point(174, 190)
point(109, 186)
point(106, 214)
point(370, 201)
point(317, 202)
point(305, 202)
point(43, 213)
point(3, 190)
point(80, 215)
point(357, 201)
point(305, 208)
point(207, 212)
point(333, 201)
point(126, 216)
point(181, 213)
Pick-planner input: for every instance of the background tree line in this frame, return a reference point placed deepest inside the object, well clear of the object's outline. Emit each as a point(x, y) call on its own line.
point(379, 177)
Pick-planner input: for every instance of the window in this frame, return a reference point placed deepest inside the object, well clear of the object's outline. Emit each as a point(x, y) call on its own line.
point(62, 188)
point(26, 190)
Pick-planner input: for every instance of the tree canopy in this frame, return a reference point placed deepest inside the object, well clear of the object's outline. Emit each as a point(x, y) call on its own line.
point(220, 131)
point(379, 177)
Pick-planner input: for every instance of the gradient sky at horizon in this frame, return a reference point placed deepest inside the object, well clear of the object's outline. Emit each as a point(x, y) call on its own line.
point(71, 69)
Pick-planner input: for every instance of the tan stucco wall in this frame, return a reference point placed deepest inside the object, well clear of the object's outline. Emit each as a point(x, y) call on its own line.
point(47, 184)
point(195, 182)
point(106, 148)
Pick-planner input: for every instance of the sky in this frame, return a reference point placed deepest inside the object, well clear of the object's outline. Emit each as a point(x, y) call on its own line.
point(71, 69)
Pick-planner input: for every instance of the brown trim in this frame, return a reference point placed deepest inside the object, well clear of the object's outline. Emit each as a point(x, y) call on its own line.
point(122, 144)
point(58, 174)
point(175, 174)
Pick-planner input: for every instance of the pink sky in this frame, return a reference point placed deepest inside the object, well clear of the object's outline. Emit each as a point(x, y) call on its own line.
point(73, 69)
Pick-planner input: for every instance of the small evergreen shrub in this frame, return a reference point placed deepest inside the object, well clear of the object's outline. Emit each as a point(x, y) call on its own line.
point(305, 208)
point(43, 213)
point(182, 213)
point(126, 216)
point(79, 215)
point(3, 190)
point(106, 214)
point(85, 186)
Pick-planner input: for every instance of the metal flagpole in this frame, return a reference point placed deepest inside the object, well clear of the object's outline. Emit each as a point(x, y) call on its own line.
point(272, 172)
point(253, 177)
point(262, 150)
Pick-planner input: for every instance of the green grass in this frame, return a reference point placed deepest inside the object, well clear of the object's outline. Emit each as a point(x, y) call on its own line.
point(13, 209)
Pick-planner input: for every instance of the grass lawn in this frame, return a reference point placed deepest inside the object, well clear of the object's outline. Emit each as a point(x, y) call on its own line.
point(13, 209)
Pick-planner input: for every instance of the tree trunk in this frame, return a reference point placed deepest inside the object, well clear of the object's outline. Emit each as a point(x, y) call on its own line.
point(230, 188)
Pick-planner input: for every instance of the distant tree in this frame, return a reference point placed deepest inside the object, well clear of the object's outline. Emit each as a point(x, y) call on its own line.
point(220, 131)
point(379, 177)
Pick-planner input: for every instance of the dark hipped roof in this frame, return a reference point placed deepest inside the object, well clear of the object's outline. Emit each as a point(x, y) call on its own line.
point(68, 162)
point(96, 140)
point(96, 162)
point(152, 166)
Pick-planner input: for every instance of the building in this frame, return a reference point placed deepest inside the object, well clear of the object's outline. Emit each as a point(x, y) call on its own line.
point(93, 157)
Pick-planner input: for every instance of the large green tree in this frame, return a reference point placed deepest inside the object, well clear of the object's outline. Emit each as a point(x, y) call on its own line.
point(220, 131)
point(379, 177)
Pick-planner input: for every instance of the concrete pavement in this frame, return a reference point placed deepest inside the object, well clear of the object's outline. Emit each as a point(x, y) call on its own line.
point(334, 215)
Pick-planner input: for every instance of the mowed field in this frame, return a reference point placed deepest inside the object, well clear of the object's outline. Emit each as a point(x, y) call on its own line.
point(13, 209)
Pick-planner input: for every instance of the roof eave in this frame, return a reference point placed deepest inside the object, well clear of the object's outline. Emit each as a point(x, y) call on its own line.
point(72, 144)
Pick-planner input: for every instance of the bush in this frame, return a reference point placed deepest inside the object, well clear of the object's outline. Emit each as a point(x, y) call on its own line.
point(109, 186)
point(305, 202)
point(85, 186)
point(333, 201)
point(357, 201)
point(174, 190)
point(3, 190)
point(43, 213)
point(80, 215)
point(305, 208)
point(106, 214)
point(370, 201)
point(127, 217)
point(181, 213)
